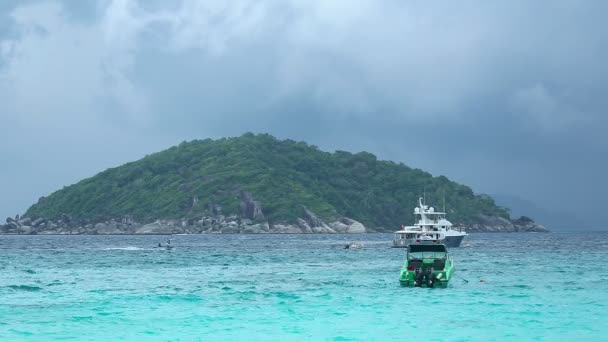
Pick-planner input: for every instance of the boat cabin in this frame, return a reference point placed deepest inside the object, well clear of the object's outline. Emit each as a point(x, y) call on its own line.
point(427, 251)
point(404, 238)
point(426, 256)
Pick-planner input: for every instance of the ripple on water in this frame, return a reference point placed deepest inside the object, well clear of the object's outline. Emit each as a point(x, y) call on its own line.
point(305, 290)
point(24, 288)
point(183, 298)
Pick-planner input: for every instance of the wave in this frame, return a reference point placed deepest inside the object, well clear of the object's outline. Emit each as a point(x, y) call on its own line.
point(24, 288)
point(128, 248)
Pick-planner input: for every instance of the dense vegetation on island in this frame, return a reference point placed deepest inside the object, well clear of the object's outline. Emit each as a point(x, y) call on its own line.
point(189, 180)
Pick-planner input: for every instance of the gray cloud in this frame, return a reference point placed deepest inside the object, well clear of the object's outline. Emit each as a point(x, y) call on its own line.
point(507, 97)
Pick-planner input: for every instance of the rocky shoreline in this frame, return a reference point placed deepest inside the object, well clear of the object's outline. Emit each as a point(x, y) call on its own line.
point(250, 220)
point(205, 225)
point(232, 224)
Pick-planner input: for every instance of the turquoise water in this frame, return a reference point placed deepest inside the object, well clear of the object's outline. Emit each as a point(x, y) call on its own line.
point(548, 287)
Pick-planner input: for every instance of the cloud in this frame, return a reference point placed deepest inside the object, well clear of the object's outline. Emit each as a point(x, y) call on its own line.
point(399, 61)
point(481, 91)
point(59, 72)
point(538, 105)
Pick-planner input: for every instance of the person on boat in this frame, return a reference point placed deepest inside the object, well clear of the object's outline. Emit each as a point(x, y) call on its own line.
point(419, 277)
point(430, 277)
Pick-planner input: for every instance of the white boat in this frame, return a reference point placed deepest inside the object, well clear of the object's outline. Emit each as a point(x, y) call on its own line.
point(429, 221)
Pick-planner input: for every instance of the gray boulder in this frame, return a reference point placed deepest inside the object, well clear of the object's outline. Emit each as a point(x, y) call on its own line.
point(252, 229)
point(323, 230)
point(492, 224)
point(354, 227)
point(285, 229)
point(154, 228)
point(526, 224)
point(304, 226)
point(107, 228)
point(25, 230)
point(265, 227)
point(37, 222)
point(229, 230)
point(312, 219)
point(316, 224)
point(349, 226)
point(338, 226)
point(25, 221)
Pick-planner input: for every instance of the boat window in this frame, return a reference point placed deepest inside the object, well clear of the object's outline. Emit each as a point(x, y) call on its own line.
point(427, 248)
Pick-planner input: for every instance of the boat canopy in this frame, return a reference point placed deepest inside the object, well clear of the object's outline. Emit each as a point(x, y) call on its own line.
point(426, 248)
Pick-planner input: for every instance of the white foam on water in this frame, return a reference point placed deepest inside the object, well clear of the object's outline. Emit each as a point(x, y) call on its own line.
point(128, 248)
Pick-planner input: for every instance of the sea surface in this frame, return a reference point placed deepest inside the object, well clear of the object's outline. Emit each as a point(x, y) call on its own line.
point(538, 287)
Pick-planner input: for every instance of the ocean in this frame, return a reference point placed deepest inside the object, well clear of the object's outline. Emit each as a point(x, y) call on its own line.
point(525, 287)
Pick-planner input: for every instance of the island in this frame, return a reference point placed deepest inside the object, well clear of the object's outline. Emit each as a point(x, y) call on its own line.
point(256, 183)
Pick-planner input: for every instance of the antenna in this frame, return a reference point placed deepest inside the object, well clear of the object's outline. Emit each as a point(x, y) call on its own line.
point(444, 200)
point(424, 195)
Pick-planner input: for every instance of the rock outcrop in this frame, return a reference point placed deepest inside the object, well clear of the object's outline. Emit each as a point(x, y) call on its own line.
point(349, 226)
point(250, 209)
point(492, 224)
point(156, 227)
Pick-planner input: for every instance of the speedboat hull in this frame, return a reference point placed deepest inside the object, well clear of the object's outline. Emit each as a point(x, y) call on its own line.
point(410, 279)
point(427, 265)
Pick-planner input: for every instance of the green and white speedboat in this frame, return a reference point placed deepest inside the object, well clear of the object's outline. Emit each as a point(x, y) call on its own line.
point(428, 264)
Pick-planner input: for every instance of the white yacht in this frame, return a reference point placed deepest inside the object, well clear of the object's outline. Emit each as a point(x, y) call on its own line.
point(428, 221)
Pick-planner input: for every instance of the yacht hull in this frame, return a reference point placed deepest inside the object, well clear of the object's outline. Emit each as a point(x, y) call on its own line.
point(454, 241)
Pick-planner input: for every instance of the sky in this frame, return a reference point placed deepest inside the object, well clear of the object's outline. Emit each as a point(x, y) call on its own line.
point(508, 97)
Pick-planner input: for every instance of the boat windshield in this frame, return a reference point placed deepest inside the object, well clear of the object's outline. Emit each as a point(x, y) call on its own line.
point(426, 251)
point(426, 255)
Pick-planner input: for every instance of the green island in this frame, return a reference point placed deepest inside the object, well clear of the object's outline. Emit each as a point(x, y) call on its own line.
point(257, 183)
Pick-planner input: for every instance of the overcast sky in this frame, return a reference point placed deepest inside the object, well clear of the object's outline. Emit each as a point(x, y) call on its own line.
point(508, 97)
